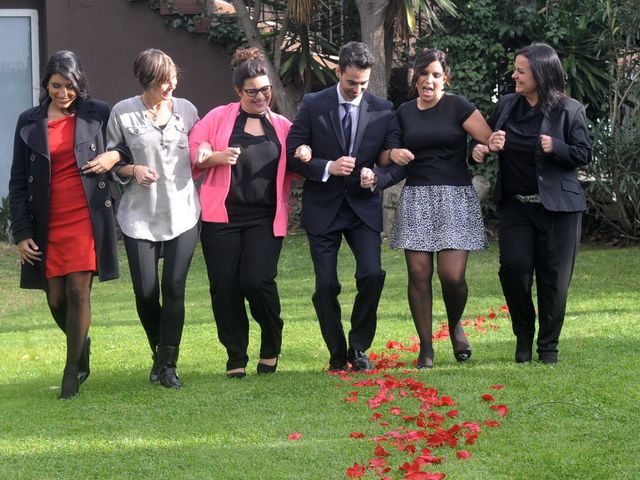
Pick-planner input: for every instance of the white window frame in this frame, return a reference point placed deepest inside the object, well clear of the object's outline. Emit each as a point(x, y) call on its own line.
point(35, 46)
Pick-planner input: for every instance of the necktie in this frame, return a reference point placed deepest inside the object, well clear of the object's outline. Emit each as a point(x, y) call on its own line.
point(346, 125)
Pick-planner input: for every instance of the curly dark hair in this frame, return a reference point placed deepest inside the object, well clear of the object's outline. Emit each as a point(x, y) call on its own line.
point(248, 63)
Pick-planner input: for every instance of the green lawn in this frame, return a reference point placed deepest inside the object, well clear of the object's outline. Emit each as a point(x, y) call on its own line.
point(578, 419)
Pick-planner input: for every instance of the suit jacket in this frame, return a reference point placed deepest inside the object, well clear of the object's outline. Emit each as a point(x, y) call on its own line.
point(318, 125)
point(30, 184)
point(557, 172)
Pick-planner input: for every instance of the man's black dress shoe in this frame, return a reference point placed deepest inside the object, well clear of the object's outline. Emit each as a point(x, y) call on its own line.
point(548, 358)
point(523, 350)
point(359, 361)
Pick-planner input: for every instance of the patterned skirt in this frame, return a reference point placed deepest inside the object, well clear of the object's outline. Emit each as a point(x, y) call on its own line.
point(438, 217)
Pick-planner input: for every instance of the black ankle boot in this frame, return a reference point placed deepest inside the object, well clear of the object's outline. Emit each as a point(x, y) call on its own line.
point(154, 375)
point(167, 358)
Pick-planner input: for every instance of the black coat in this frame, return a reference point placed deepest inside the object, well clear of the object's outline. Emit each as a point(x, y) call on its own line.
point(557, 172)
point(29, 187)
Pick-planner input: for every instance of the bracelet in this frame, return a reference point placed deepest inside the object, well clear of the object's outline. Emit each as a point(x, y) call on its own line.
point(389, 155)
point(133, 174)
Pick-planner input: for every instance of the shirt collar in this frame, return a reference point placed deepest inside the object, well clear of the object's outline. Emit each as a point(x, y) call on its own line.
point(355, 102)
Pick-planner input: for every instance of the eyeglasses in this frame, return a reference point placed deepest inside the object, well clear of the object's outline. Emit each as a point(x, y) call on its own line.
point(253, 92)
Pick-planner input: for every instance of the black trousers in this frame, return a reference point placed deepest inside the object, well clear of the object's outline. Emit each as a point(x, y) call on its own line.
point(162, 322)
point(365, 246)
point(535, 240)
point(242, 263)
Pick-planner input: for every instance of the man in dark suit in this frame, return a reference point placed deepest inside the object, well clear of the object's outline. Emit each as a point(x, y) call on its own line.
point(346, 129)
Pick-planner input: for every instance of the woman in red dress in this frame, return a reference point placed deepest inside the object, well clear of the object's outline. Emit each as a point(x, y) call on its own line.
point(61, 211)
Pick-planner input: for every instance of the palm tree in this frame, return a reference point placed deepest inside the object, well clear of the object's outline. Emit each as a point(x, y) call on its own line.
point(380, 21)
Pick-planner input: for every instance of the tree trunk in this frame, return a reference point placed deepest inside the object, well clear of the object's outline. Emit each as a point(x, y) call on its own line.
point(285, 105)
point(372, 15)
point(372, 19)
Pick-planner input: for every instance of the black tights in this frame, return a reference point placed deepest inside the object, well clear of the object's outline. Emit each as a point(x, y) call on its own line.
point(69, 299)
point(452, 265)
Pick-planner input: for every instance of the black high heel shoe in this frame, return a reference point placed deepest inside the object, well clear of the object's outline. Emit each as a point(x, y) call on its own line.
point(264, 368)
point(84, 367)
point(425, 357)
point(237, 375)
point(70, 384)
point(463, 355)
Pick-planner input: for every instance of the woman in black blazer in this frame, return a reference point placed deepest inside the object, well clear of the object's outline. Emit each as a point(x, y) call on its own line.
point(61, 211)
point(542, 138)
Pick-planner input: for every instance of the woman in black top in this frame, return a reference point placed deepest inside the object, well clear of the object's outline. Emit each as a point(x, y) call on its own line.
point(439, 211)
point(543, 139)
point(244, 197)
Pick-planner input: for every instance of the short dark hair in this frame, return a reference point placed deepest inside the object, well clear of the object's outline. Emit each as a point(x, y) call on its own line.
point(248, 63)
point(355, 54)
point(425, 58)
point(153, 67)
point(547, 72)
point(65, 63)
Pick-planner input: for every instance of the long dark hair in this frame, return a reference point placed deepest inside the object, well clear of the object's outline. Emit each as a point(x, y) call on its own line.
point(548, 73)
point(65, 63)
point(423, 59)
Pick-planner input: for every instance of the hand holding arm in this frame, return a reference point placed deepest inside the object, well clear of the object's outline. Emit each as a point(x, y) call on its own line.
point(479, 153)
point(103, 163)
point(496, 141)
point(142, 174)
point(303, 153)
point(207, 158)
point(367, 178)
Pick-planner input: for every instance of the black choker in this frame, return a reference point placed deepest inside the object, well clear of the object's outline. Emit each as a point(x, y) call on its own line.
point(253, 115)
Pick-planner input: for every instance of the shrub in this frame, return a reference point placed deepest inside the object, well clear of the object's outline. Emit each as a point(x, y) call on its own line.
point(613, 177)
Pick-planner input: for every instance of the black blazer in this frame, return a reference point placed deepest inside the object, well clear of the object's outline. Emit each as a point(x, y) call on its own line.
point(557, 173)
point(317, 124)
point(30, 183)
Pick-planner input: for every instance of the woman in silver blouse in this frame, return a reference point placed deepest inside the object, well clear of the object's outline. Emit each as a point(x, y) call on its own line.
point(159, 210)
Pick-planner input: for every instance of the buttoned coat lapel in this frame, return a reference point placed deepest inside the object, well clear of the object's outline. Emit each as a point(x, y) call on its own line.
point(35, 134)
point(336, 121)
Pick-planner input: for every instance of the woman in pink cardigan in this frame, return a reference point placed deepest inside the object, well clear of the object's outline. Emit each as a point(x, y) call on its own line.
point(244, 195)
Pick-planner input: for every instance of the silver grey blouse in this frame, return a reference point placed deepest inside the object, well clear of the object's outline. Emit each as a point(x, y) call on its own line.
point(169, 206)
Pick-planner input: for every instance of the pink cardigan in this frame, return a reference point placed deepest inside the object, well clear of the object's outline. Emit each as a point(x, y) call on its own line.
point(216, 128)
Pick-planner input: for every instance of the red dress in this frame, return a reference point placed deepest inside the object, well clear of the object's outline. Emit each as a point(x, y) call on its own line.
point(70, 246)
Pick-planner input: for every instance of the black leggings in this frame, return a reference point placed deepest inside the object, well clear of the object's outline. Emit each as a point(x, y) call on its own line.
point(162, 323)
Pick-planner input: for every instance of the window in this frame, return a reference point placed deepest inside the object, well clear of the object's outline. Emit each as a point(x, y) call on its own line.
point(19, 61)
